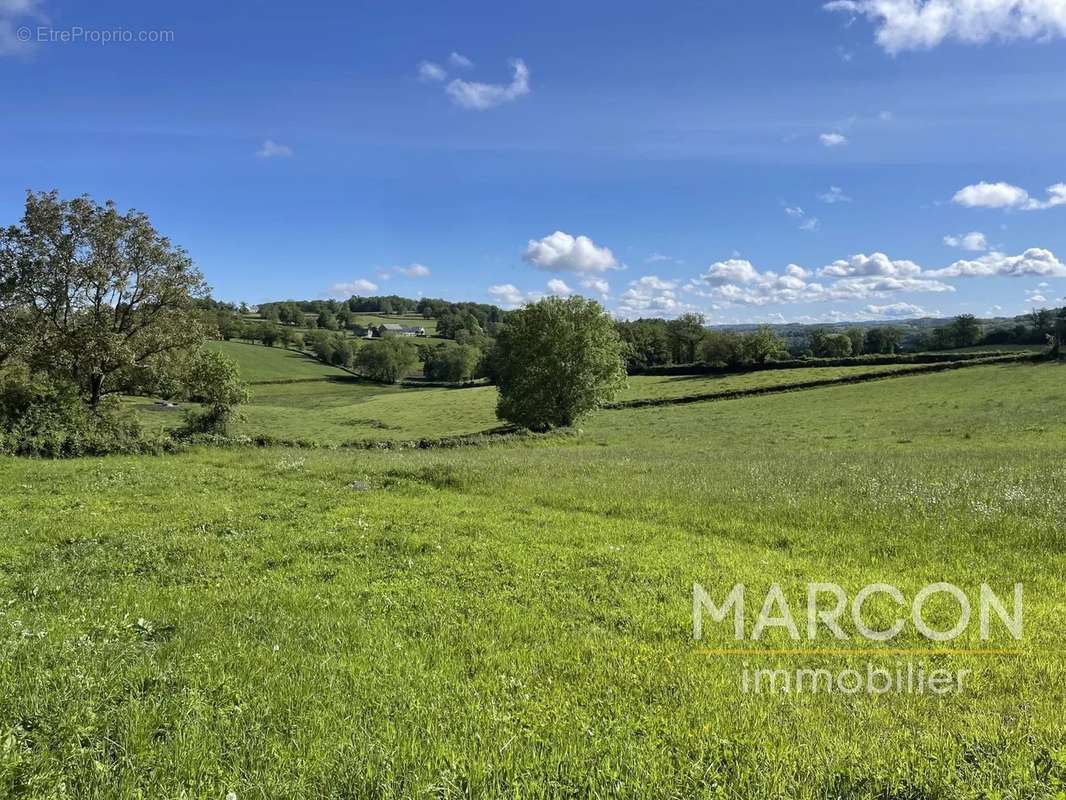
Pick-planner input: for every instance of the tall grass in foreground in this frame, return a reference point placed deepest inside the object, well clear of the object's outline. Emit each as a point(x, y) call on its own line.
point(516, 621)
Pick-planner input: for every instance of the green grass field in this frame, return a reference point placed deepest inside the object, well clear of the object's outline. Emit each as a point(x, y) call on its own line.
point(258, 363)
point(515, 620)
point(340, 409)
point(410, 320)
point(337, 413)
point(663, 386)
point(995, 348)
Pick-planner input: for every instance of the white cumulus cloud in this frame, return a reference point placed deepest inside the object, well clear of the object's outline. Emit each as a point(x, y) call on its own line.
point(861, 264)
point(414, 271)
point(731, 271)
point(13, 16)
point(738, 282)
point(834, 194)
point(482, 96)
point(896, 311)
point(598, 285)
point(833, 139)
point(459, 60)
point(271, 149)
point(644, 300)
point(358, 286)
point(1006, 195)
point(655, 283)
point(507, 295)
point(558, 287)
point(923, 24)
point(1033, 262)
point(561, 252)
point(431, 72)
point(973, 241)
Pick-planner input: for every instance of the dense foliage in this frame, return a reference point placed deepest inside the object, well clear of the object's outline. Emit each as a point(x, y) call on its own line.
point(558, 359)
point(214, 381)
point(41, 415)
point(451, 363)
point(453, 319)
point(390, 360)
point(95, 297)
point(95, 303)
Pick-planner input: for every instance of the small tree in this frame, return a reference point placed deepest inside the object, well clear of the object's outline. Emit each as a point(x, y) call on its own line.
point(1043, 321)
point(326, 320)
point(215, 381)
point(557, 360)
point(389, 361)
point(323, 347)
point(269, 333)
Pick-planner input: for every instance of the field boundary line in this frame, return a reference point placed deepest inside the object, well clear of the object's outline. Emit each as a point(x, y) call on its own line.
point(883, 360)
point(843, 380)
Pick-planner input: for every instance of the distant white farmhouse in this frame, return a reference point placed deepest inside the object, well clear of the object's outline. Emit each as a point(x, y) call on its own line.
point(392, 329)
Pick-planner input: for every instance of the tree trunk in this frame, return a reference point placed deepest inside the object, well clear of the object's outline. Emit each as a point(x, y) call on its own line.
point(96, 385)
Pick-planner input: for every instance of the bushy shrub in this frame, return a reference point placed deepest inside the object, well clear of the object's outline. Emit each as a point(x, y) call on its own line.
point(213, 380)
point(42, 417)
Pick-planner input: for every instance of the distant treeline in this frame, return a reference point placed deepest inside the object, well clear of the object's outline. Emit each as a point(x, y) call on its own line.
point(319, 326)
point(868, 360)
point(686, 340)
point(451, 318)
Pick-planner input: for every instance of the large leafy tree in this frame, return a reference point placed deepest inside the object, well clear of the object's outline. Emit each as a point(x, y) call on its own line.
point(557, 360)
point(453, 363)
point(390, 360)
point(965, 330)
point(95, 296)
point(685, 334)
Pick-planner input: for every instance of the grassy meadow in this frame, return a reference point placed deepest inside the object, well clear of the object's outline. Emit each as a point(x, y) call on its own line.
point(297, 398)
point(259, 364)
point(410, 320)
point(515, 620)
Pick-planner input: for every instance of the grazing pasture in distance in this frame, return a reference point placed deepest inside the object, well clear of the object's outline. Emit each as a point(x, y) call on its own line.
point(515, 620)
point(336, 413)
point(259, 363)
point(342, 408)
point(368, 320)
point(664, 386)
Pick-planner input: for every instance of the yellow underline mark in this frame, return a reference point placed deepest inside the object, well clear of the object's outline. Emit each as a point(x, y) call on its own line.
point(851, 651)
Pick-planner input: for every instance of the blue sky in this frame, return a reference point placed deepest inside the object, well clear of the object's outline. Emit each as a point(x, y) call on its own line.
point(752, 161)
